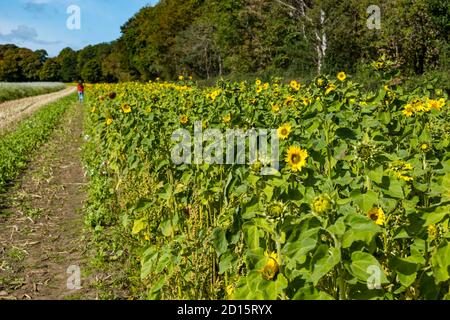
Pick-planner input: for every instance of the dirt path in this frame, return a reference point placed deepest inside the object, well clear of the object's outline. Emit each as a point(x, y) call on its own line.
point(14, 111)
point(41, 225)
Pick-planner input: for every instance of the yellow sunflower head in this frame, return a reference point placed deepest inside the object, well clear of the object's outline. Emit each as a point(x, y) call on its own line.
point(296, 158)
point(408, 111)
point(321, 82)
point(126, 108)
point(432, 231)
point(330, 88)
point(258, 82)
point(181, 78)
point(434, 105)
point(378, 65)
point(272, 266)
point(109, 121)
point(275, 107)
point(342, 76)
point(284, 131)
point(184, 119)
point(230, 291)
point(377, 215)
point(295, 85)
point(289, 100)
point(424, 147)
point(227, 118)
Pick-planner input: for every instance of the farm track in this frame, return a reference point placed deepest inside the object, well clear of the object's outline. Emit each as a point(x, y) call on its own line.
point(14, 111)
point(41, 225)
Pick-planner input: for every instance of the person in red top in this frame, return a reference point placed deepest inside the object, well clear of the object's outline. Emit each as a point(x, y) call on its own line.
point(80, 89)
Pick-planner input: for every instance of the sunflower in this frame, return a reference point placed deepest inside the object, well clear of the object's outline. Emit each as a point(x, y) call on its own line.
point(289, 100)
point(424, 147)
point(342, 76)
point(307, 101)
point(258, 82)
point(296, 158)
point(321, 82)
point(408, 111)
point(181, 78)
point(434, 104)
point(295, 85)
point(272, 266)
point(109, 121)
point(259, 89)
point(230, 291)
point(376, 215)
point(227, 118)
point(432, 231)
point(275, 107)
point(126, 108)
point(330, 88)
point(321, 204)
point(266, 86)
point(184, 119)
point(276, 209)
point(284, 131)
point(378, 65)
point(213, 95)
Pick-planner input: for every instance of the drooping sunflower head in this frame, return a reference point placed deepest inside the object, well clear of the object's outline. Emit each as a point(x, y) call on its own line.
point(284, 131)
point(330, 88)
point(184, 119)
point(296, 158)
point(342, 76)
point(377, 215)
point(272, 266)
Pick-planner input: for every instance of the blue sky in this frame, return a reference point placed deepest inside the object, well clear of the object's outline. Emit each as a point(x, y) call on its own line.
point(42, 24)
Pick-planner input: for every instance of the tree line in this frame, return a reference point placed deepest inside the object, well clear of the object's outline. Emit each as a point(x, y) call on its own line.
point(210, 38)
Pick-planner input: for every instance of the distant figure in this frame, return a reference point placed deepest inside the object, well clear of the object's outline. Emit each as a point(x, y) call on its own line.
point(80, 88)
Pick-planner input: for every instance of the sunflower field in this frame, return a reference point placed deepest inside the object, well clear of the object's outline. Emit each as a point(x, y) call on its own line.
point(359, 208)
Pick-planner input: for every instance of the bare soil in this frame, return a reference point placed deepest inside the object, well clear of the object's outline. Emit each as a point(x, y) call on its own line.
point(42, 241)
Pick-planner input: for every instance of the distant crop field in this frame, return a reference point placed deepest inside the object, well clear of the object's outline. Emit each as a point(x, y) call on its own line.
point(12, 91)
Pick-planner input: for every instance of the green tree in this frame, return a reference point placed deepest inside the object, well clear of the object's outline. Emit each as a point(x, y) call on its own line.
point(50, 70)
point(92, 72)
